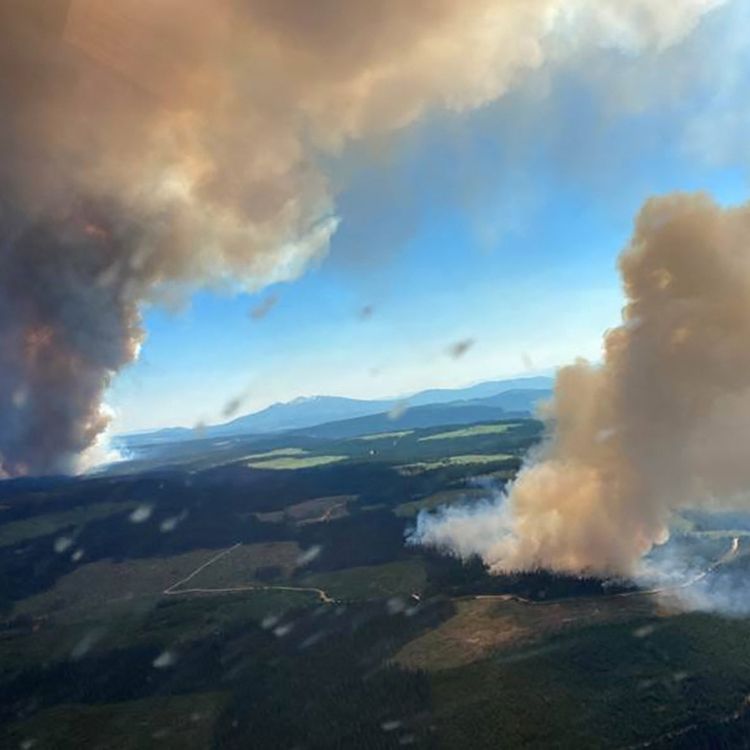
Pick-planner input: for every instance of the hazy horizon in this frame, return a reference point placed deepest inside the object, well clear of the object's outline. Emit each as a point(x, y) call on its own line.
point(240, 408)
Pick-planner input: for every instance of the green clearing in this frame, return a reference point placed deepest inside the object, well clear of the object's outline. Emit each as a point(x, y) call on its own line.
point(294, 462)
point(275, 453)
point(474, 431)
point(385, 435)
point(170, 723)
point(400, 578)
point(49, 523)
point(468, 459)
point(447, 497)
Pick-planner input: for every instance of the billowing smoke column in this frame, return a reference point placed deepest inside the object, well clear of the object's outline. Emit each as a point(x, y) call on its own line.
point(662, 424)
point(148, 145)
point(67, 320)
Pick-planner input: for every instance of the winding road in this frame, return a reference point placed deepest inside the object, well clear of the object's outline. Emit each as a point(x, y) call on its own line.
point(174, 589)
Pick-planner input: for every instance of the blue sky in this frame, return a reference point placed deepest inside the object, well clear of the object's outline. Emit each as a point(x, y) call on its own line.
point(502, 226)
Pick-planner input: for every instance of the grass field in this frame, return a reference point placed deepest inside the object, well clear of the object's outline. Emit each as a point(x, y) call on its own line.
point(473, 431)
point(276, 452)
point(471, 459)
point(294, 462)
point(386, 435)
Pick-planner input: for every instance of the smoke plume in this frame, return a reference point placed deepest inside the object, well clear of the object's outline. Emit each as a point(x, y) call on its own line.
point(154, 145)
point(660, 425)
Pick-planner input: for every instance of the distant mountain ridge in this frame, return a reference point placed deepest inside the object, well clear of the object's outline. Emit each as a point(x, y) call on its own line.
point(517, 403)
point(480, 390)
point(484, 400)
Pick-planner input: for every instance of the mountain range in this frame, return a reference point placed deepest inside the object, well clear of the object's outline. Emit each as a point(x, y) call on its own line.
point(337, 416)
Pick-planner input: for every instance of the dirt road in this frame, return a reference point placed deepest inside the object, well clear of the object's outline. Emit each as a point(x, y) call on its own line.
point(175, 590)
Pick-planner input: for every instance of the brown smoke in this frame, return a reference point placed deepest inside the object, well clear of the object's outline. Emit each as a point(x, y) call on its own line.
point(662, 424)
point(148, 144)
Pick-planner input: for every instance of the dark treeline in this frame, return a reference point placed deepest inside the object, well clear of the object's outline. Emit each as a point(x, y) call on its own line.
point(455, 577)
